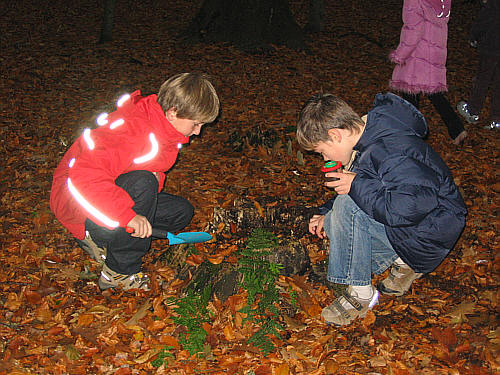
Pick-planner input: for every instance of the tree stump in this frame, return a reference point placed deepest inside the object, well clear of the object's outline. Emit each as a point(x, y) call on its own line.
point(274, 214)
point(288, 223)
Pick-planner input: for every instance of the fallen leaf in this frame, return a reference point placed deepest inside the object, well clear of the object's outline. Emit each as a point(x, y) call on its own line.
point(141, 313)
point(458, 314)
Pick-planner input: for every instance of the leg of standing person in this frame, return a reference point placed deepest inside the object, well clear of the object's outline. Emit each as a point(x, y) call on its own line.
point(412, 98)
point(359, 247)
point(450, 118)
point(484, 77)
point(495, 97)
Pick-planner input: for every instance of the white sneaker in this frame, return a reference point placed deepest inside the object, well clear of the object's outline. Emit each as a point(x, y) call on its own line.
point(348, 307)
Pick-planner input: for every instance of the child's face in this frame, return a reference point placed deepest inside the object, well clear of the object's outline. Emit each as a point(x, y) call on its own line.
point(339, 147)
point(185, 126)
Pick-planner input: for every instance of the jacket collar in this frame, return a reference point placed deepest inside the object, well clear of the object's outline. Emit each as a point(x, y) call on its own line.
point(166, 131)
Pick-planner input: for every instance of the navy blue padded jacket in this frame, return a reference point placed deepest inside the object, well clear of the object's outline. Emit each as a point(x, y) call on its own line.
point(404, 184)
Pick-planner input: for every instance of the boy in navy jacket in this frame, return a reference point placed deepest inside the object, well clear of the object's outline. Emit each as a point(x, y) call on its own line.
point(397, 203)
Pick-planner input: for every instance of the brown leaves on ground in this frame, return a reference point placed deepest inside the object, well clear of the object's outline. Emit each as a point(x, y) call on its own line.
point(56, 80)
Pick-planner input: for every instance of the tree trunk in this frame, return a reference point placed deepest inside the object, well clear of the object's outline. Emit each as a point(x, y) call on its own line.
point(107, 21)
point(315, 22)
point(249, 24)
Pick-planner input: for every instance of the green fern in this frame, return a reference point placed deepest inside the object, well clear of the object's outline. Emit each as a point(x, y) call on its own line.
point(192, 313)
point(162, 356)
point(259, 279)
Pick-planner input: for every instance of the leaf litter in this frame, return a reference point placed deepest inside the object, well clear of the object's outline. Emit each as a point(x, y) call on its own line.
point(56, 80)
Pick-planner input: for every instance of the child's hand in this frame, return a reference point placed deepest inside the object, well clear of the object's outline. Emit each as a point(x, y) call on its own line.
point(343, 184)
point(316, 225)
point(142, 227)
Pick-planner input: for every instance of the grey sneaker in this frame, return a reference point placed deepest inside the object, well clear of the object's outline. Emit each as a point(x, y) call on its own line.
point(90, 247)
point(494, 125)
point(399, 280)
point(112, 279)
point(463, 109)
point(348, 307)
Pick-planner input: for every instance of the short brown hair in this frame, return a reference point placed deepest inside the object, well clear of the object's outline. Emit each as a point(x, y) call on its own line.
point(192, 95)
point(321, 113)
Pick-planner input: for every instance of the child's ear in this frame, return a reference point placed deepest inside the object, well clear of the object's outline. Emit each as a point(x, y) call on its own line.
point(171, 114)
point(335, 135)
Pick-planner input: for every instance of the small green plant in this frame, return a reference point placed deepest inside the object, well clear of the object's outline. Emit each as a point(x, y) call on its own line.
point(293, 297)
point(162, 357)
point(259, 279)
point(192, 313)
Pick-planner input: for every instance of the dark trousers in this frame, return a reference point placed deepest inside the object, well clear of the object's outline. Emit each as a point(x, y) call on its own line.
point(163, 211)
point(450, 118)
point(488, 74)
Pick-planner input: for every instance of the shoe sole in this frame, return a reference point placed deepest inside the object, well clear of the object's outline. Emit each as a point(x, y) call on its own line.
point(389, 292)
point(103, 284)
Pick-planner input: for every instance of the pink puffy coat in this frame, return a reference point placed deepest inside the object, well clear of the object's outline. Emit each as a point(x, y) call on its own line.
point(421, 55)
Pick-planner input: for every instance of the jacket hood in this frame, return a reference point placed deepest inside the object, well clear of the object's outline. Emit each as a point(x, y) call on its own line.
point(392, 115)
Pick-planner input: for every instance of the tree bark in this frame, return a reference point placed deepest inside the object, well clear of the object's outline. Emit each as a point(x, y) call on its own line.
point(107, 22)
point(249, 24)
point(316, 18)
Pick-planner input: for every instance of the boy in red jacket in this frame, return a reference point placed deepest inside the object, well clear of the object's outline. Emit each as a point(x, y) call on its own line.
point(112, 176)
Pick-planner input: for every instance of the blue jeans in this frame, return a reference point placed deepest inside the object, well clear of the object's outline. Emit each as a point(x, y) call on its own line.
point(358, 244)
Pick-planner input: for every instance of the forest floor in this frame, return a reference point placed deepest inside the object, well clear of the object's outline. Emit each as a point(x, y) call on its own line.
point(55, 80)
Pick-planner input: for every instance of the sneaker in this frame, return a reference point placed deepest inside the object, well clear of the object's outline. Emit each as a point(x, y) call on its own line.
point(399, 280)
point(494, 125)
point(348, 307)
point(90, 247)
point(112, 279)
point(463, 109)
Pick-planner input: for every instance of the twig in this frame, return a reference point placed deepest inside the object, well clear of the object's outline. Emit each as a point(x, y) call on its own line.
point(14, 282)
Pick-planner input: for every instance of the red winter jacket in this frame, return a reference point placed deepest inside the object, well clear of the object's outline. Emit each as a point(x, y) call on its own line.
point(137, 136)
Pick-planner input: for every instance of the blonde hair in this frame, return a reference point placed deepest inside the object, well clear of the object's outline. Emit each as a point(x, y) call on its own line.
point(191, 95)
point(321, 113)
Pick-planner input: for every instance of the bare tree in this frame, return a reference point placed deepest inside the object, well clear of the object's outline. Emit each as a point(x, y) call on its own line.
point(107, 21)
point(316, 19)
point(249, 24)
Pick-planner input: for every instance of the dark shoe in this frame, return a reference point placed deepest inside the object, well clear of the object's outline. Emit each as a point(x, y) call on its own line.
point(399, 280)
point(348, 307)
point(90, 247)
point(463, 109)
point(112, 279)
